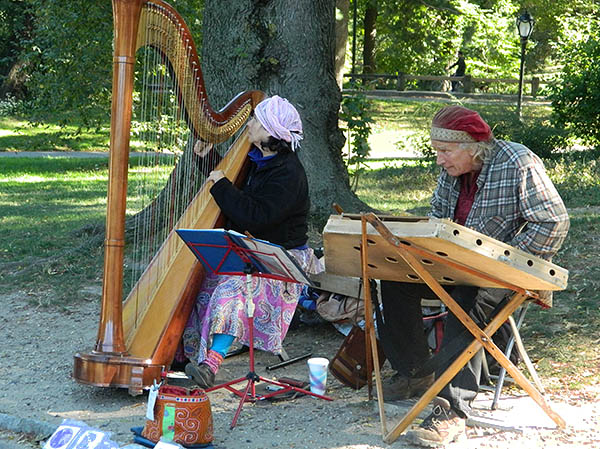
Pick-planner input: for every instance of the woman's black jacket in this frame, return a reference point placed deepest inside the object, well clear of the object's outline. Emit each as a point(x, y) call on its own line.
point(273, 204)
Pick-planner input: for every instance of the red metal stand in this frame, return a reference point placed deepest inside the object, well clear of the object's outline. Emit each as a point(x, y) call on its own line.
point(249, 393)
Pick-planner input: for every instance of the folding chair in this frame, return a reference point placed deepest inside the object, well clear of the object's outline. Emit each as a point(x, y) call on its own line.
point(433, 251)
point(515, 326)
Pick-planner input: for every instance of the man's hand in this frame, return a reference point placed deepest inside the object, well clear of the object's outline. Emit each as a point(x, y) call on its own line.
point(215, 176)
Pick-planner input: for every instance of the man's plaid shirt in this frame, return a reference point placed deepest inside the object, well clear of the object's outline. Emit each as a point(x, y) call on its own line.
point(515, 202)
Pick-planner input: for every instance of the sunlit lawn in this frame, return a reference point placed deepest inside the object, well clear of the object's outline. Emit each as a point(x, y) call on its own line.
point(52, 213)
point(400, 126)
point(17, 134)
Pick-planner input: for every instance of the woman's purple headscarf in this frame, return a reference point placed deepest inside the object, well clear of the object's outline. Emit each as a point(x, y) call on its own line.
point(280, 119)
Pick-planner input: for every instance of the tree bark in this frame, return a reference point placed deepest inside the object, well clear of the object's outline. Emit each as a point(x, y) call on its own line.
point(14, 83)
point(288, 49)
point(369, 38)
point(342, 10)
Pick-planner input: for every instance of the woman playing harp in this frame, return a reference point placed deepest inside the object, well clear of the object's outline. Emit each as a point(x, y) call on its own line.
point(273, 205)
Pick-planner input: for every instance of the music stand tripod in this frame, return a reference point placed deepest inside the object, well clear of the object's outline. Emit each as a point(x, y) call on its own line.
point(240, 255)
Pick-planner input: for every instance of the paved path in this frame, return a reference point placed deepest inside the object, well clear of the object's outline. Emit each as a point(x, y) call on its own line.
point(82, 154)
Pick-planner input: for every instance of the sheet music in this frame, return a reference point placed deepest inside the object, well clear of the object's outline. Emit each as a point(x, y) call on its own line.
point(274, 259)
point(228, 252)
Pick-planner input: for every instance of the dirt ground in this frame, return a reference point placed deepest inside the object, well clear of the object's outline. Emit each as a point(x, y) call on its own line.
point(35, 383)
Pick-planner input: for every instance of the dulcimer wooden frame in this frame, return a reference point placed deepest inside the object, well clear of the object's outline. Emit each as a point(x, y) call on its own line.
point(482, 338)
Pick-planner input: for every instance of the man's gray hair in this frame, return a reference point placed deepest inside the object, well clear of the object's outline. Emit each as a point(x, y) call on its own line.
point(481, 150)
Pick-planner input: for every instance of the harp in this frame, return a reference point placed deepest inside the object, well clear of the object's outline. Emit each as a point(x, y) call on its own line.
point(137, 338)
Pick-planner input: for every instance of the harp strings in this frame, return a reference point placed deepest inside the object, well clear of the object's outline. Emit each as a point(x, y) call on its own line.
point(168, 174)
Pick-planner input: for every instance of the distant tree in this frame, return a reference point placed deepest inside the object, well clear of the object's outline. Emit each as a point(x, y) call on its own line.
point(576, 97)
point(69, 60)
point(341, 38)
point(369, 36)
point(15, 30)
point(69, 57)
point(422, 37)
point(558, 24)
point(414, 37)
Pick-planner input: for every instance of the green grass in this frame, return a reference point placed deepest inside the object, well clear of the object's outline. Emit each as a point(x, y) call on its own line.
point(412, 115)
point(52, 213)
point(398, 188)
point(401, 127)
point(46, 205)
point(577, 178)
point(17, 134)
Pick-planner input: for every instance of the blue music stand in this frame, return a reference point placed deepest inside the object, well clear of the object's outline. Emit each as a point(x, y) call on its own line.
point(230, 253)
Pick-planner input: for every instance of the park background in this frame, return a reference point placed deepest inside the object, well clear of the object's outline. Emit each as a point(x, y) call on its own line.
point(55, 74)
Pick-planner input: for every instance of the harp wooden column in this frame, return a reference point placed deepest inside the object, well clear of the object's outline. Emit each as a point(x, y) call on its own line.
point(109, 363)
point(110, 336)
point(482, 337)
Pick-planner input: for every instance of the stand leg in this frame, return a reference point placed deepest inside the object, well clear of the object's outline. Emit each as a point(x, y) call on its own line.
point(249, 393)
point(250, 387)
point(368, 309)
point(482, 338)
point(454, 368)
point(285, 360)
point(524, 356)
point(370, 337)
point(502, 372)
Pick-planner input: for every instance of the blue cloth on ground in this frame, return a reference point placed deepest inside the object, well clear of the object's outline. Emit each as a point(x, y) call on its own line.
point(308, 298)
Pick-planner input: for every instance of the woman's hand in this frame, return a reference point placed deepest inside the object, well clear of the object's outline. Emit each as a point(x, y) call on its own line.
point(215, 176)
point(201, 148)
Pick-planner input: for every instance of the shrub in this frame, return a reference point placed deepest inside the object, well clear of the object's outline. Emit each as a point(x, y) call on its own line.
point(357, 117)
point(11, 106)
point(539, 135)
point(421, 142)
point(576, 98)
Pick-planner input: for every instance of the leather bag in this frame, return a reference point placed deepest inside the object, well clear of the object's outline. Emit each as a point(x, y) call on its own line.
point(349, 365)
point(181, 415)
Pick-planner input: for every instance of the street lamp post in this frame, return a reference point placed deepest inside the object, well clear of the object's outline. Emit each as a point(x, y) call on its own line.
point(524, 26)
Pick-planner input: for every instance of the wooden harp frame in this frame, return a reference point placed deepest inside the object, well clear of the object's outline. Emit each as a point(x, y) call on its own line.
point(137, 338)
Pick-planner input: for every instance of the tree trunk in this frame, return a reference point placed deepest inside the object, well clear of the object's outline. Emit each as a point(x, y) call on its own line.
point(284, 48)
point(14, 83)
point(369, 40)
point(341, 38)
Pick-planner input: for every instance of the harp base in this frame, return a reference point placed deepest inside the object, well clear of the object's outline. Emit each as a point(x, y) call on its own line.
point(113, 370)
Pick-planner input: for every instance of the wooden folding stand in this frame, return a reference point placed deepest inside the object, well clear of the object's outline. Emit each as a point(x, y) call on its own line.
point(435, 251)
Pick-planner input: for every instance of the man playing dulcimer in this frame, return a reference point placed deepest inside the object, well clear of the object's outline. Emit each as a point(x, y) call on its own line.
point(495, 187)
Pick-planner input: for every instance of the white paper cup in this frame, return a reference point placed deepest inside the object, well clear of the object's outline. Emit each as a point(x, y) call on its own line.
point(317, 370)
